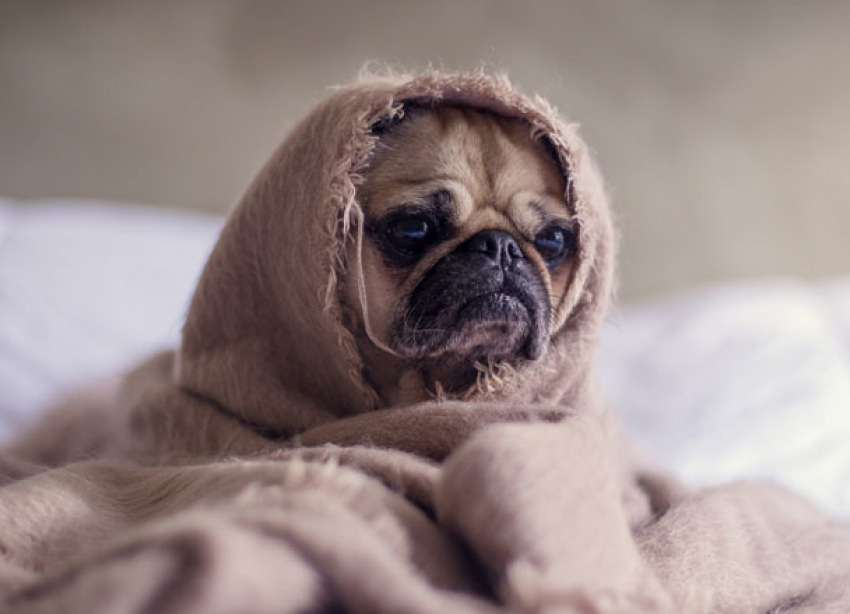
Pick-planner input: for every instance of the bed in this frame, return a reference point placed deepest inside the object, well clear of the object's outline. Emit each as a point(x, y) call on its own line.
point(734, 380)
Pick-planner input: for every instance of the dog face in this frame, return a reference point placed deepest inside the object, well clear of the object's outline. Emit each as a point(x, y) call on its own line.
point(468, 246)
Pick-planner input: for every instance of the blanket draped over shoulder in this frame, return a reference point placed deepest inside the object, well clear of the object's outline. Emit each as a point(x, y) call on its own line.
point(255, 469)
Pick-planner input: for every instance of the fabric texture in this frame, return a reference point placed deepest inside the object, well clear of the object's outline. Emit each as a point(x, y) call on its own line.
point(254, 470)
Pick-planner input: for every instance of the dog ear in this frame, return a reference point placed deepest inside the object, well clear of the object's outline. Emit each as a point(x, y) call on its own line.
point(409, 109)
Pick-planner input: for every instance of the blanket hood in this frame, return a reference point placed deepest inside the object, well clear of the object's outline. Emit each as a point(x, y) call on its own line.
point(265, 336)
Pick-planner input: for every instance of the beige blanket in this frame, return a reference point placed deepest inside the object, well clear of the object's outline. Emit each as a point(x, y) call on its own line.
point(255, 470)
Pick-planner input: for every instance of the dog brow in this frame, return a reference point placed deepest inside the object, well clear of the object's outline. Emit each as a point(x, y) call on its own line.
point(544, 214)
point(441, 199)
point(438, 203)
point(539, 209)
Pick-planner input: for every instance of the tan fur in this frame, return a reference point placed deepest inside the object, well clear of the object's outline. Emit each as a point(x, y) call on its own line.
point(498, 177)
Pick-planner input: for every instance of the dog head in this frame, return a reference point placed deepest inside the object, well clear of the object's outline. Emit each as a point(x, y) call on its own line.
point(375, 262)
point(468, 243)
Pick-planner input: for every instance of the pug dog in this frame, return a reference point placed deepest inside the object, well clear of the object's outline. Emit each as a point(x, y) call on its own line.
point(467, 245)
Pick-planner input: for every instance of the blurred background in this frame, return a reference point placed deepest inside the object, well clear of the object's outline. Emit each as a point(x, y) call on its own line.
point(723, 128)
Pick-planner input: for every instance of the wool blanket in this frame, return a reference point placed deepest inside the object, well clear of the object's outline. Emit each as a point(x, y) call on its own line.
point(254, 469)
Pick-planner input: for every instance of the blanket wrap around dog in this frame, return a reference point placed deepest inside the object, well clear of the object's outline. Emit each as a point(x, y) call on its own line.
point(254, 470)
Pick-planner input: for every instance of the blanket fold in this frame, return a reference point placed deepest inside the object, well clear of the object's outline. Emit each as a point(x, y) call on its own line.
point(572, 548)
point(255, 469)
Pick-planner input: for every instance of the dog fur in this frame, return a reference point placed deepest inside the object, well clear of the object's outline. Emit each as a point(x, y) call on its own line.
point(471, 172)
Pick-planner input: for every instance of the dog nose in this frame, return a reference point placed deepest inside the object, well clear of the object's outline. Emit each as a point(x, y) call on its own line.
point(495, 244)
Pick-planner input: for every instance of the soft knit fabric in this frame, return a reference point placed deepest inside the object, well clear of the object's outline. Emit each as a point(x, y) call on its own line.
point(254, 470)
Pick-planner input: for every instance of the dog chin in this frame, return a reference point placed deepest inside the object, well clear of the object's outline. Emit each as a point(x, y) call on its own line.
point(492, 326)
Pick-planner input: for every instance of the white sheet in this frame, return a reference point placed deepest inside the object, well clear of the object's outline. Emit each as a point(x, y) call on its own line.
point(738, 380)
point(86, 289)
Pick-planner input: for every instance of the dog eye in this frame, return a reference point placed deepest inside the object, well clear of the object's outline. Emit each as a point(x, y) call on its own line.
point(555, 243)
point(410, 235)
